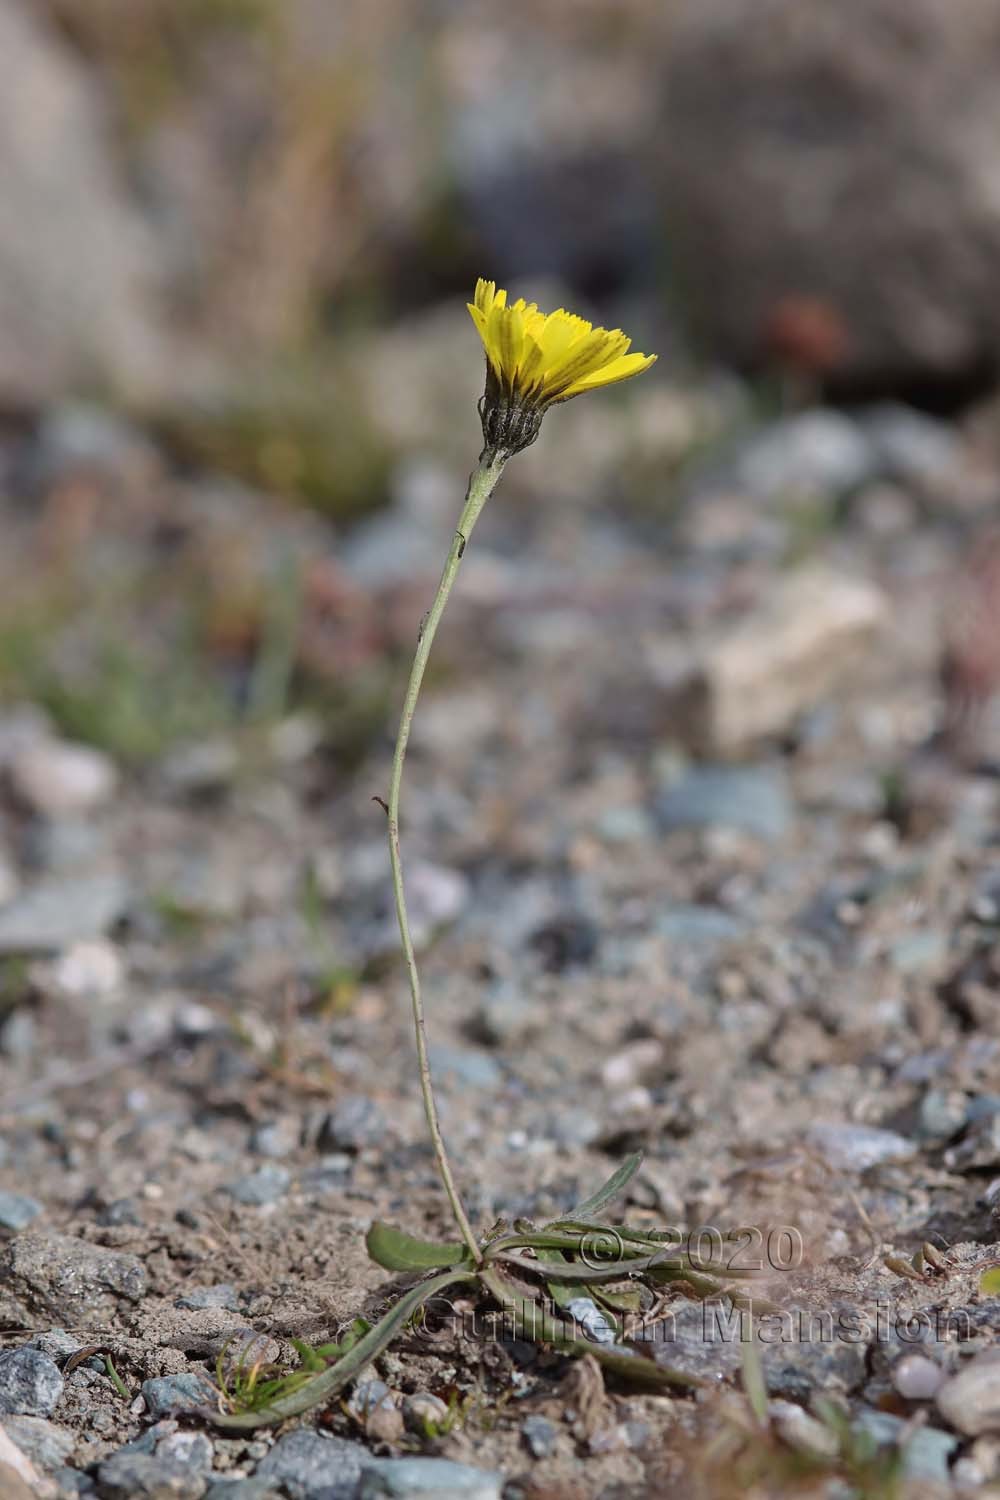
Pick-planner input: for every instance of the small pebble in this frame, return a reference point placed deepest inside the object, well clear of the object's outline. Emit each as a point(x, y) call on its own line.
point(423, 1413)
point(276, 1138)
point(146, 1476)
point(594, 1321)
point(856, 1148)
point(30, 1383)
point(16, 1210)
point(970, 1400)
point(169, 1393)
point(917, 1378)
point(266, 1185)
point(45, 1443)
point(356, 1122)
point(540, 1436)
point(429, 1478)
point(59, 780)
point(88, 970)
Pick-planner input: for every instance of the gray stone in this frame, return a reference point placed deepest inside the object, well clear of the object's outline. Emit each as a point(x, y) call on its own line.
point(254, 1488)
point(433, 1478)
point(366, 1396)
point(276, 1138)
point(16, 1210)
point(58, 1344)
point(911, 446)
point(222, 1294)
point(57, 912)
point(916, 952)
point(943, 1112)
point(436, 896)
point(207, 766)
point(76, 260)
point(475, 1070)
point(817, 452)
point(697, 1338)
point(30, 1383)
point(970, 1400)
point(59, 1279)
point(539, 1436)
point(193, 1450)
point(185, 1392)
point(73, 1482)
point(926, 1450)
point(979, 1148)
point(505, 1017)
point(46, 1443)
point(269, 1183)
point(19, 1036)
point(751, 799)
point(144, 1476)
point(355, 1123)
point(704, 926)
point(593, 1320)
point(308, 1466)
point(855, 1148)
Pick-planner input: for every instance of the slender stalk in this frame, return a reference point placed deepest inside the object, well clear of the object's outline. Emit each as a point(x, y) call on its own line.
point(481, 485)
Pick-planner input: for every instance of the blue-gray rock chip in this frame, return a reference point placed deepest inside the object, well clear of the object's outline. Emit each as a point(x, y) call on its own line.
point(750, 799)
point(16, 1211)
point(266, 1185)
point(429, 1478)
point(142, 1476)
point(308, 1466)
point(185, 1392)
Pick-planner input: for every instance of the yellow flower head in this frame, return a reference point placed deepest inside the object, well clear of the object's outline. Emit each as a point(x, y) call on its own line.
point(534, 360)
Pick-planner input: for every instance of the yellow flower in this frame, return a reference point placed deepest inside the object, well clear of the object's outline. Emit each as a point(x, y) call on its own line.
point(534, 360)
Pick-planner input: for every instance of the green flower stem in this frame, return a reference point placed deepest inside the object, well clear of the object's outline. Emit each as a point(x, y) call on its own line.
point(482, 483)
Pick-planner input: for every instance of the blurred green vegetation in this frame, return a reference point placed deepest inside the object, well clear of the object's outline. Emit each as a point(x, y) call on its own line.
point(299, 431)
point(167, 657)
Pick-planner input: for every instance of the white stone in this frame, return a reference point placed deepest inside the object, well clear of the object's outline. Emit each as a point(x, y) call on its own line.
point(754, 677)
point(59, 779)
point(970, 1400)
point(89, 970)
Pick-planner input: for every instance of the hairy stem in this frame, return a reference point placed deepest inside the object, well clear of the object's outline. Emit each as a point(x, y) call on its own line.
point(481, 485)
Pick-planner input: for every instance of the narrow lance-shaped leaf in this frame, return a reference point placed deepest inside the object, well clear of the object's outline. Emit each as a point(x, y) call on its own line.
point(396, 1251)
point(615, 1184)
point(318, 1389)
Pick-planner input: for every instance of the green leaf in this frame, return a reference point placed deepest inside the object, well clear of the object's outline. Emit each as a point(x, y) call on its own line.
point(989, 1282)
point(317, 1389)
point(611, 1271)
point(396, 1251)
point(615, 1184)
point(560, 1293)
point(542, 1327)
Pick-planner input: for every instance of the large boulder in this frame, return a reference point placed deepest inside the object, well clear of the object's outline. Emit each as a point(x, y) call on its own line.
point(76, 302)
point(832, 182)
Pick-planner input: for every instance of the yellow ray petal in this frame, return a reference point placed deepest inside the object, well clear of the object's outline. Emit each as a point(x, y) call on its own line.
point(619, 369)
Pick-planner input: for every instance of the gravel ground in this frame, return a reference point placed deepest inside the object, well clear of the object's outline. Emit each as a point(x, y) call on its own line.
point(693, 871)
